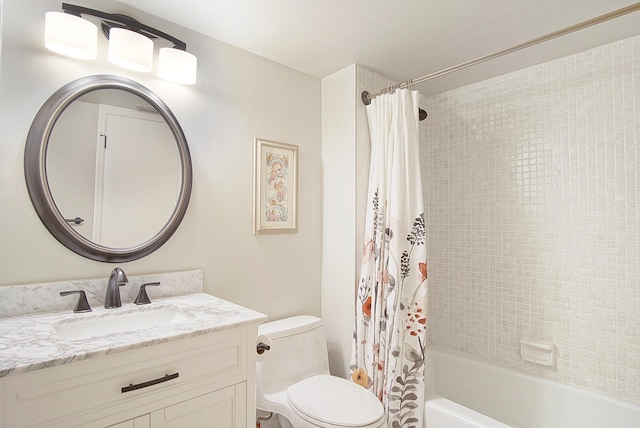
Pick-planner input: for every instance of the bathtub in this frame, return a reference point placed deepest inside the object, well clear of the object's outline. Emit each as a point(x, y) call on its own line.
point(465, 393)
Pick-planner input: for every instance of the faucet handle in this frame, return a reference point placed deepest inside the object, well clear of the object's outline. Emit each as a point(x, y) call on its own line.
point(143, 297)
point(83, 304)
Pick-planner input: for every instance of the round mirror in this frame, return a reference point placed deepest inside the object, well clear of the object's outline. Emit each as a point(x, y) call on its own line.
point(108, 168)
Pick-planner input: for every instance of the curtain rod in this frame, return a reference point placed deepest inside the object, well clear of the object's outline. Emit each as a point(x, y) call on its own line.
point(367, 97)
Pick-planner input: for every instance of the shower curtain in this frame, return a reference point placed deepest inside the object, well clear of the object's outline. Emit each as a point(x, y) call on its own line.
point(390, 327)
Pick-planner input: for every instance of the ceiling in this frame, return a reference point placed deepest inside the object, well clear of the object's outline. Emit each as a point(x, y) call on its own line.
point(400, 39)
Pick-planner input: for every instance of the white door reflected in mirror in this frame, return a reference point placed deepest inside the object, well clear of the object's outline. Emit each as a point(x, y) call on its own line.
point(140, 177)
point(118, 168)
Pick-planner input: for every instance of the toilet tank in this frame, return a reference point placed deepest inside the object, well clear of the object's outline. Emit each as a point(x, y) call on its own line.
point(298, 351)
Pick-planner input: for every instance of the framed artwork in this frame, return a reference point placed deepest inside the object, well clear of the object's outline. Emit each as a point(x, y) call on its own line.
point(275, 187)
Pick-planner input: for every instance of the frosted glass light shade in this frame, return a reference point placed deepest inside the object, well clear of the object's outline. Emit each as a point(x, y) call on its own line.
point(70, 35)
point(130, 50)
point(177, 66)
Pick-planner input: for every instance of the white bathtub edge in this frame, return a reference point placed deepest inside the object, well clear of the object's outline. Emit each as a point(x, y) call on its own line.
point(442, 413)
point(522, 399)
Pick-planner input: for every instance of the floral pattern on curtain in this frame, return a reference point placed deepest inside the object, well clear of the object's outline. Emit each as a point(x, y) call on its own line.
point(390, 327)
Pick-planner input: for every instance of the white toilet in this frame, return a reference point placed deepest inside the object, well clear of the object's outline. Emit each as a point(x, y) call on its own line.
point(292, 380)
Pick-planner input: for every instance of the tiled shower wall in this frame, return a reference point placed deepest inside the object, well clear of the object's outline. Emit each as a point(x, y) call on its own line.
point(532, 193)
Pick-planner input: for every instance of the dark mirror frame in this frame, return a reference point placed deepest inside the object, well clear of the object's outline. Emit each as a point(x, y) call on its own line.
point(35, 169)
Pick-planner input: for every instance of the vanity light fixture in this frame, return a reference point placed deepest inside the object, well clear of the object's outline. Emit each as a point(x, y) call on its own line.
point(70, 35)
point(130, 50)
point(177, 66)
point(130, 42)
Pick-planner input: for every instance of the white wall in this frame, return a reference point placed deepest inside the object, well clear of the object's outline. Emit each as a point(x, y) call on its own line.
point(346, 154)
point(339, 216)
point(238, 96)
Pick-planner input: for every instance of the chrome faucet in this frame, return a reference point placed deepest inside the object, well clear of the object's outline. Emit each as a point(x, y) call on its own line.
point(117, 279)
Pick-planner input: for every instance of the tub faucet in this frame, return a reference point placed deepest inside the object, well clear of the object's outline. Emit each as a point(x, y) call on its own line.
point(117, 279)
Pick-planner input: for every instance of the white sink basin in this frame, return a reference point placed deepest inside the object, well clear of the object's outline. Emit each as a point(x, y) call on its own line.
point(119, 321)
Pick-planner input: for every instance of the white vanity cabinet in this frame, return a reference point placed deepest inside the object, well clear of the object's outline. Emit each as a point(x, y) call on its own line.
point(206, 380)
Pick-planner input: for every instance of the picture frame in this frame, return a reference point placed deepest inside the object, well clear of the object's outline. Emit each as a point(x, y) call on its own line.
point(275, 187)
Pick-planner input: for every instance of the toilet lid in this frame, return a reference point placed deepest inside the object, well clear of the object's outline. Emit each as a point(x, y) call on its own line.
point(335, 401)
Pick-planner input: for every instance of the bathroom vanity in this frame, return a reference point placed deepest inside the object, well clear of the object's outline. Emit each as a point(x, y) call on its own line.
point(182, 361)
point(187, 359)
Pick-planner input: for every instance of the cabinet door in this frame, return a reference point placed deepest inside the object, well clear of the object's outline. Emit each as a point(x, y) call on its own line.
point(143, 421)
point(224, 408)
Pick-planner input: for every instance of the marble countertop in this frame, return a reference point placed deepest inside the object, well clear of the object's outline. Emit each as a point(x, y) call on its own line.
point(30, 342)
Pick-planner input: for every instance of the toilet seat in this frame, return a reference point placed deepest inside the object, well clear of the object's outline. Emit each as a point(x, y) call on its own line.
point(332, 401)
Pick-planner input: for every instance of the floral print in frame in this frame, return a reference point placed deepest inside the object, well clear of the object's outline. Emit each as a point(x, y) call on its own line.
point(275, 172)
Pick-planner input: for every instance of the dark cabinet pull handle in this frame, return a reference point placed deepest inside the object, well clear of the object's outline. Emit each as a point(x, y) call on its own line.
point(164, 378)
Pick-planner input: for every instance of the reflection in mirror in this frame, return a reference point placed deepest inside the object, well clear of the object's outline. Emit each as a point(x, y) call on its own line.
point(108, 152)
point(113, 162)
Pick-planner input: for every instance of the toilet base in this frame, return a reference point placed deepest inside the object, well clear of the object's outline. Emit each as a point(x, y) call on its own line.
point(301, 423)
point(284, 422)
